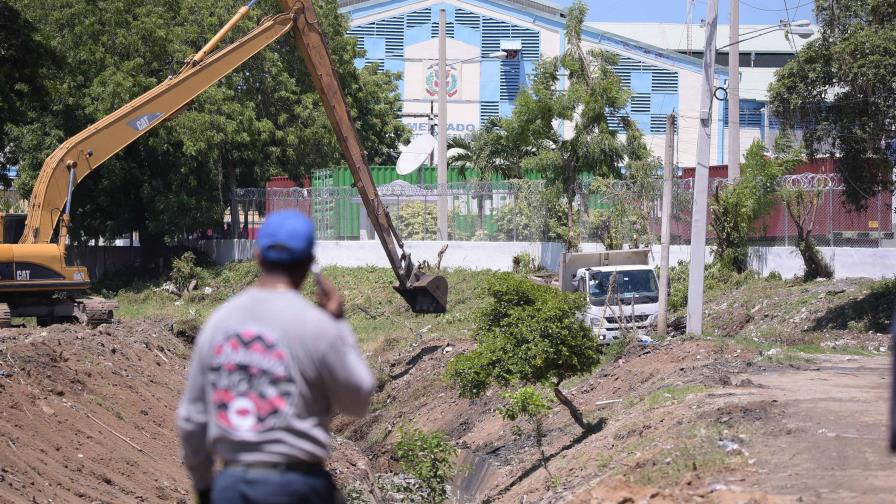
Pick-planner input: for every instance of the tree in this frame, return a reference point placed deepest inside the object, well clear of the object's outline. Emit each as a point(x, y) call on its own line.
point(801, 204)
point(839, 90)
point(530, 334)
point(736, 206)
point(627, 205)
point(484, 155)
point(263, 119)
point(592, 95)
point(529, 404)
point(534, 214)
point(24, 68)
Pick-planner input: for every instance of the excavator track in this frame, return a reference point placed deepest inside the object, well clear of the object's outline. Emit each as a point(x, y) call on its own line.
point(96, 310)
point(5, 316)
point(89, 311)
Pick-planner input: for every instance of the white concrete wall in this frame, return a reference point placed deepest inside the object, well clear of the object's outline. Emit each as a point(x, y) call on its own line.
point(847, 262)
point(460, 254)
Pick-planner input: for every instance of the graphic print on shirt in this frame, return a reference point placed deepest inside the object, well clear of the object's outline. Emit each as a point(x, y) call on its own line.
point(250, 381)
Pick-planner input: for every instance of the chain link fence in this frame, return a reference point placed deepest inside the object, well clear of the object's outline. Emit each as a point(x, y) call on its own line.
point(617, 213)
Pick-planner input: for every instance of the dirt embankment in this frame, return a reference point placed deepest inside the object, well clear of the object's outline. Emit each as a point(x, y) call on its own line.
point(87, 415)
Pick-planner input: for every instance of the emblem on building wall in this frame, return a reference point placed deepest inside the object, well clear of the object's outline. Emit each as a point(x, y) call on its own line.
point(432, 81)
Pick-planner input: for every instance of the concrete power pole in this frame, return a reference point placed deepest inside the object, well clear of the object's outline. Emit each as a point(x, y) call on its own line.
point(701, 176)
point(662, 318)
point(442, 173)
point(734, 92)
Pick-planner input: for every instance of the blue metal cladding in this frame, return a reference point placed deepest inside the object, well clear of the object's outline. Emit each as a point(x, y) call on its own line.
point(654, 94)
point(490, 81)
point(654, 89)
point(500, 81)
point(750, 113)
point(487, 110)
point(375, 47)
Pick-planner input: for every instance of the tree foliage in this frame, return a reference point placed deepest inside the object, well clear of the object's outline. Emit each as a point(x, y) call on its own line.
point(801, 205)
point(592, 94)
point(839, 90)
point(529, 334)
point(535, 214)
point(25, 64)
point(263, 119)
point(735, 207)
point(624, 215)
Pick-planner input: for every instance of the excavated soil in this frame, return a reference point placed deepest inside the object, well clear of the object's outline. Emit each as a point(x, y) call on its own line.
point(87, 415)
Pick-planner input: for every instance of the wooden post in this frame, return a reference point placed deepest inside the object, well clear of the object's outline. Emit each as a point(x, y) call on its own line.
point(665, 232)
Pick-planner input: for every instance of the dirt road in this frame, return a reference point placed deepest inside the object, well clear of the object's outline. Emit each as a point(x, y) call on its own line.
point(813, 434)
point(827, 440)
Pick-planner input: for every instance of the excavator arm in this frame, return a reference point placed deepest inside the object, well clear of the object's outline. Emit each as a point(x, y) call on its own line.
point(82, 154)
point(424, 293)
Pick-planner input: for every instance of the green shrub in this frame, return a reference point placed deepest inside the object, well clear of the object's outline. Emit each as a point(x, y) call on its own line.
point(536, 214)
point(734, 208)
point(717, 279)
point(184, 270)
point(429, 458)
point(417, 221)
point(530, 405)
point(530, 334)
point(524, 263)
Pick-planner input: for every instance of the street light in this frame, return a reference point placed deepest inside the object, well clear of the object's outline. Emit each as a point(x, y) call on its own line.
point(503, 54)
point(801, 29)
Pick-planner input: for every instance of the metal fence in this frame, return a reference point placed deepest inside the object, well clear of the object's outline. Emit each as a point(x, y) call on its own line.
point(615, 213)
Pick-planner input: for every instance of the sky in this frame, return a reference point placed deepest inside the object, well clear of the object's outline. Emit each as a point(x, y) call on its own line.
point(675, 11)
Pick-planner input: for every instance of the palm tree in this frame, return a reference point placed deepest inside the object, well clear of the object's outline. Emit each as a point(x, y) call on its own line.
point(482, 155)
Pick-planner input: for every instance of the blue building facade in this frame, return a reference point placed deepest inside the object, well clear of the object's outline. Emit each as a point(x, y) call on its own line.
point(401, 36)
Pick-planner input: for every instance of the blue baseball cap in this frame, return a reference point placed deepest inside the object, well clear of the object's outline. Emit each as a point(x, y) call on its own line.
point(287, 236)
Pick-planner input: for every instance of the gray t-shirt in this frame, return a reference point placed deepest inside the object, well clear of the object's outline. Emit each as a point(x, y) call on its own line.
point(269, 370)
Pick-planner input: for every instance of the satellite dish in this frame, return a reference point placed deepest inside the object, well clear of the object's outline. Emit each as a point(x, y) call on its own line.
point(415, 154)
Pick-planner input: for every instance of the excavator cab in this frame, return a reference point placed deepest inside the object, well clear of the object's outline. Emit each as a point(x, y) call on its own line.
point(12, 226)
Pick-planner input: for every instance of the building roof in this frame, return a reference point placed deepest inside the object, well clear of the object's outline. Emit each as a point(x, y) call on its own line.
point(673, 36)
point(554, 16)
point(541, 7)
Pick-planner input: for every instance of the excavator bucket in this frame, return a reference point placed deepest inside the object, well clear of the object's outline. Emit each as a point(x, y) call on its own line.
point(428, 294)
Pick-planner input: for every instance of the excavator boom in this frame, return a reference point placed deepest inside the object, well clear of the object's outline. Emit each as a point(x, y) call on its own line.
point(80, 155)
point(84, 152)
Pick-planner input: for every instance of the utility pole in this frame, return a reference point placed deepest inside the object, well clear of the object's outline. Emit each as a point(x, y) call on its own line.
point(701, 175)
point(734, 92)
point(442, 173)
point(662, 317)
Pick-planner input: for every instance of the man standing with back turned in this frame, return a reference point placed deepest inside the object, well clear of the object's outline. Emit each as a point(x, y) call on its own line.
point(269, 369)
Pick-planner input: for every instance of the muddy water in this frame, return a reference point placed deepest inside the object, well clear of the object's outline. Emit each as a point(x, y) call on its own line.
point(477, 474)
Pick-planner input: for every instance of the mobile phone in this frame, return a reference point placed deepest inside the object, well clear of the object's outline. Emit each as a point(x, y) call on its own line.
point(315, 270)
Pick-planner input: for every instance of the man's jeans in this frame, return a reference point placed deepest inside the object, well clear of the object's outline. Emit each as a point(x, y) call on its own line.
point(238, 485)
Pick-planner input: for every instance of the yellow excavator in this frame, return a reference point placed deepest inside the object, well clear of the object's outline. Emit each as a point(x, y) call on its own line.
point(35, 278)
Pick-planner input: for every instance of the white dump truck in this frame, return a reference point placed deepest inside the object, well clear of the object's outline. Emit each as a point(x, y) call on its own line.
point(622, 291)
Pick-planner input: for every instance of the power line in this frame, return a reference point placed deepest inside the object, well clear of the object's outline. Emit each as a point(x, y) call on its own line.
point(806, 4)
point(790, 22)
